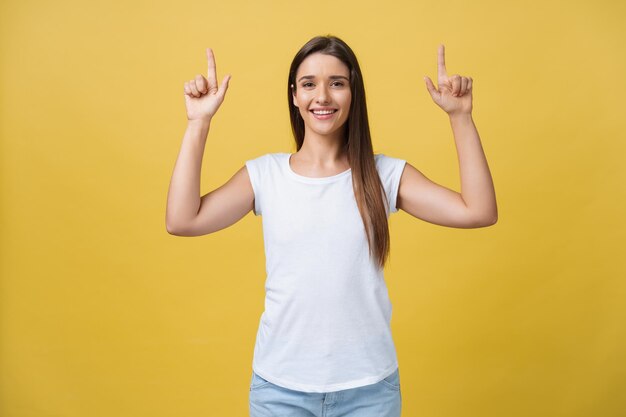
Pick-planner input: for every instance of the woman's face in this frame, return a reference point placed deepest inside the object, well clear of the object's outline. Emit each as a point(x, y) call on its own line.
point(323, 82)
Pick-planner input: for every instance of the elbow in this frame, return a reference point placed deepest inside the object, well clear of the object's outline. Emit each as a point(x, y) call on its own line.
point(483, 217)
point(494, 216)
point(183, 230)
point(178, 232)
point(174, 225)
point(170, 229)
point(483, 221)
point(489, 221)
point(489, 217)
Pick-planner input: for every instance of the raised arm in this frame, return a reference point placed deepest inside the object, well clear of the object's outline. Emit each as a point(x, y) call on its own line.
point(475, 206)
point(188, 214)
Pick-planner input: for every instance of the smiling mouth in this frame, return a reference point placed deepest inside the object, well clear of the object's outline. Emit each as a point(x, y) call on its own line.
point(324, 116)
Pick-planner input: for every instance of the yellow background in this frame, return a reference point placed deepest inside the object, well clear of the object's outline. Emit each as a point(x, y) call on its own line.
point(103, 313)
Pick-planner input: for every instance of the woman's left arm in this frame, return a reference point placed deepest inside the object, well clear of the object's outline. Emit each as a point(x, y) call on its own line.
point(475, 205)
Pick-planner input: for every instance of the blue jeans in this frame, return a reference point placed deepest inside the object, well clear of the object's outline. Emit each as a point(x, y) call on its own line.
point(382, 399)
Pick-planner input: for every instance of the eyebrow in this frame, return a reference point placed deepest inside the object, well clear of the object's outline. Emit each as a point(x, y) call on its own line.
point(332, 77)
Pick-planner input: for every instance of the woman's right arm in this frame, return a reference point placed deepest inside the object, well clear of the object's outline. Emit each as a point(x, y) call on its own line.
point(188, 214)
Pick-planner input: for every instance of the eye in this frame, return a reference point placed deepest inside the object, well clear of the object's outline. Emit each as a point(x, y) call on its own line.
point(337, 83)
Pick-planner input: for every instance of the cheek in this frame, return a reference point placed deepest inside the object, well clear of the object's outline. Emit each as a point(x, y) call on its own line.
point(303, 101)
point(347, 101)
point(346, 105)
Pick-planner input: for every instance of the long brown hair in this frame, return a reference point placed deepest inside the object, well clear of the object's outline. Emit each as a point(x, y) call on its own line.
point(368, 189)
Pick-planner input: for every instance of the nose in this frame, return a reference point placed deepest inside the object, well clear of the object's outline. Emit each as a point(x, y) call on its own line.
point(323, 95)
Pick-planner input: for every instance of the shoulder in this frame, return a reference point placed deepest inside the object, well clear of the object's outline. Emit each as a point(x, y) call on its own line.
point(266, 160)
point(388, 165)
point(390, 171)
point(265, 166)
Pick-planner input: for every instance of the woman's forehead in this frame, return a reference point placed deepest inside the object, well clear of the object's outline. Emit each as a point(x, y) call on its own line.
point(322, 65)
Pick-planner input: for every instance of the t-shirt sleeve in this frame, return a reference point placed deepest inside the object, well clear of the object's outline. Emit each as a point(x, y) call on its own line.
point(390, 171)
point(255, 171)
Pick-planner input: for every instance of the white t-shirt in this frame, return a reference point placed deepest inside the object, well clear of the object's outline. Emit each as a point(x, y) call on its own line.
point(327, 320)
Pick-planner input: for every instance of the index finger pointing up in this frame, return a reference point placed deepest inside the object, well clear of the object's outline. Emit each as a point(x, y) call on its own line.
point(441, 62)
point(211, 76)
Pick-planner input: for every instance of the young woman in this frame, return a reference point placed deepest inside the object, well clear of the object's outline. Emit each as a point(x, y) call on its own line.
point(324, 342)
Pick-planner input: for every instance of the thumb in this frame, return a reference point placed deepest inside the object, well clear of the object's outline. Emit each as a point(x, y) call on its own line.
point(430, 86)
point(224, 85)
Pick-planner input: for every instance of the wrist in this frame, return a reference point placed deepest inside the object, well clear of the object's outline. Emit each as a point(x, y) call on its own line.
point(460, 116)
point(202, 122)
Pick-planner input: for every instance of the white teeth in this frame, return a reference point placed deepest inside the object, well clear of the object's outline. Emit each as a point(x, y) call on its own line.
point(323, 111)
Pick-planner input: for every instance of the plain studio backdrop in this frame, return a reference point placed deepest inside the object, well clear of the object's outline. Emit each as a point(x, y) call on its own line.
point(103, 313)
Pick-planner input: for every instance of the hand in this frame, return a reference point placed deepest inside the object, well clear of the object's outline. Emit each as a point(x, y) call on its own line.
point(454, 94)
point(202, 97)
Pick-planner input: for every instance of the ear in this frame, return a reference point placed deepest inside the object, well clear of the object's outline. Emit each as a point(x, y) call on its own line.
point(293, 95)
